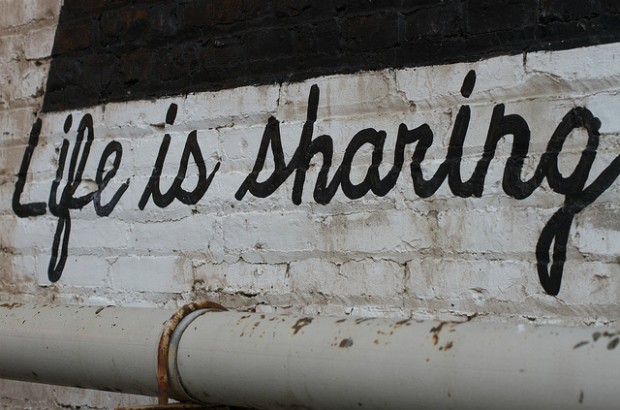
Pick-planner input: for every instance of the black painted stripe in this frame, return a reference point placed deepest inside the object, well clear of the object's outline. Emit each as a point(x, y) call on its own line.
point(122, 50)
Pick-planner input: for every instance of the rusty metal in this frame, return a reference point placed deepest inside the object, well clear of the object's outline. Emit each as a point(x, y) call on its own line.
point(163, 368)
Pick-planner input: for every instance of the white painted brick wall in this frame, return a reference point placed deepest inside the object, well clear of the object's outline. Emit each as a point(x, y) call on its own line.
point(26, 36)
point(398, 255)
point(438, 240)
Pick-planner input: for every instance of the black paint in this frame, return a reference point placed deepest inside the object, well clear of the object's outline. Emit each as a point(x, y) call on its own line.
point(35, 208)
point(74, 176)
point(61, 208)
point(122, 50)
point(550, 264)
point(103, 178)
point(468, 84)
point(176, 191)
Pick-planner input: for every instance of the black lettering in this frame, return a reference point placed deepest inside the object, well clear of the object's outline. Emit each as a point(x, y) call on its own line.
point(555, 233)
point(102, 179)
point(299, 163)
point(307, 148)
point(557, 229)
point(68, 201)
point(34, 208)
point(176, 191)
point(372, 178)
point(451, 167)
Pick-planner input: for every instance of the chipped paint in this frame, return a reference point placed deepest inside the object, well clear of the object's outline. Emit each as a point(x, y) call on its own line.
point(301, 323)
point(11, 305)
point(346, 343)
point(580, 344)
point(435, 330)
point(405, 322)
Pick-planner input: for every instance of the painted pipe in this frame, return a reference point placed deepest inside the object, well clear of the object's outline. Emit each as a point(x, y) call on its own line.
point(102, 348)
point(283, 362)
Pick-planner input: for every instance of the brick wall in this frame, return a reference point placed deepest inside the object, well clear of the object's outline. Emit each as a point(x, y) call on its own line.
point(135, 90)
point(119, 49)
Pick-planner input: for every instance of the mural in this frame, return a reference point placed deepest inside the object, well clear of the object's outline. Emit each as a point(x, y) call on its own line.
point(427, 160)
point(577, 196)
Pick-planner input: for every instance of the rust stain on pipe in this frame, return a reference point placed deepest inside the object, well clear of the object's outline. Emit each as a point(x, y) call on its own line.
point(404, 322)
point(348, 342)
point(578, 345)
point(436, 330)
point(164, 344)
point(304, 321)
point(11, 305)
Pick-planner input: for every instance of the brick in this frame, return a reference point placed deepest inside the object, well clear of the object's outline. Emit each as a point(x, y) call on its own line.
point(93, 7)
point(137, 68)
point(98, 233)
point(439, 21)
point(224, 11)
point(39, 43)
point(193, 233)
point(149, 274)
point(258, 232)
point(242, 277)
point(593, 282)
point(365, 279)
point(91, 271)
point(358, 6)
point(194, 13)
point(125, 26)
point(568, 11)
point(371, 32)
point(489, 16)
point(274, 42)
point(73, 36)
point(285, 8)
point(19, 13)
point(450, 279)
point(165, 22)
point(13, 47)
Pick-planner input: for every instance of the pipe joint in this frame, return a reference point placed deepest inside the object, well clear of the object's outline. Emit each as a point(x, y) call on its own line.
point(168, 378)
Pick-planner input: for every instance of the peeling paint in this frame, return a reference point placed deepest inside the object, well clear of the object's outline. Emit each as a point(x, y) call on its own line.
point(346, 343)
point(580, 344)
point(435, 331)
point(11, 305)
point(304, 321)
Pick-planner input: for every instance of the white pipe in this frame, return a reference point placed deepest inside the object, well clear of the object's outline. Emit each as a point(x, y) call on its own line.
point(113, 349)
point(282, 362)
point(344, 363)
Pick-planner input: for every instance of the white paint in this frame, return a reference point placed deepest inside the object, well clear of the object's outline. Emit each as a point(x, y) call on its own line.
point(272, 361)
point(399, 255)
point(443, 253)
